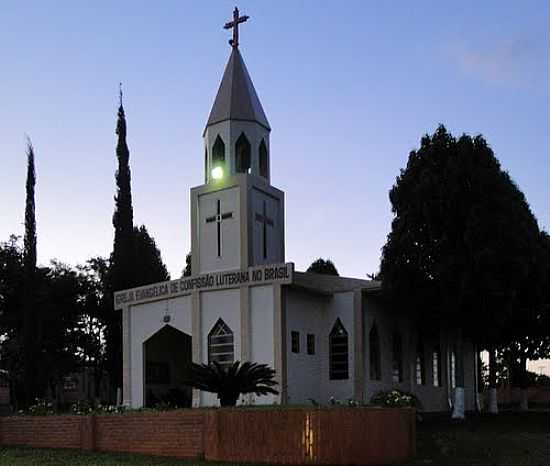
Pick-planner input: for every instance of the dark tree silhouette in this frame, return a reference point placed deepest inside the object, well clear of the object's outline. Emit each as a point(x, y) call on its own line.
point(149, 265)
point(31, 324)
point(323, 266)
point(11, 317)
point(123, 256)
point(187, 271)
point(461, 242)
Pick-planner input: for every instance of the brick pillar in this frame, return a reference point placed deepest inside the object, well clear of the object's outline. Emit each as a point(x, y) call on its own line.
point(87, 433)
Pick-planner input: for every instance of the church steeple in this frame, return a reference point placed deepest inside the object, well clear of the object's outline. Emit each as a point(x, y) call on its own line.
point(236, 135)
point(237, 98)
point(237, 217)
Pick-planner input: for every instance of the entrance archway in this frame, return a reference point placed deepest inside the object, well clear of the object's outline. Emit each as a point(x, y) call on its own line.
point(167, 357)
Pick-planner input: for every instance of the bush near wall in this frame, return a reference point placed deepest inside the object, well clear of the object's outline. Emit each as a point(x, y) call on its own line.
point(290, 436)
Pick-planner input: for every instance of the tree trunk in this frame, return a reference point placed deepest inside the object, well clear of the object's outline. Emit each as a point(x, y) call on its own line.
point(458, 405)
point(524, 385)
point(492, 402)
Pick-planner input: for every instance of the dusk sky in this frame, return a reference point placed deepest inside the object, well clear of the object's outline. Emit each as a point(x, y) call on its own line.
point(348, 88)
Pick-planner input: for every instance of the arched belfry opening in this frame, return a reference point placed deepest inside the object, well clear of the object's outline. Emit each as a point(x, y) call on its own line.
point(263, 159)
point(167, 356)
point(242, 154)
point(218, 152)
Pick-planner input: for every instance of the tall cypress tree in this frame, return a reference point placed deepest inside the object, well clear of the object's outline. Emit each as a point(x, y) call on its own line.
point(30, 324)
point(123, 256)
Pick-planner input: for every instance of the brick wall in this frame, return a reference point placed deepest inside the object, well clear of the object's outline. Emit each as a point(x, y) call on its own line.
point(322, 436)
point(177, 434)
point(291, 436)
point(41, 432)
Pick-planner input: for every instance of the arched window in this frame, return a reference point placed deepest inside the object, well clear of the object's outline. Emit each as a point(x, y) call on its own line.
point(264, 171)
point(452, 367)
point(397, 358)
point(218, 152)
point(374, 354)
point(436, 366)
point(338, 352)
point(220, 344)
point(420, 363)
point(242, 151)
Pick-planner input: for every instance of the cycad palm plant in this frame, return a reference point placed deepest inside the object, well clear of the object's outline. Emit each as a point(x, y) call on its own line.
point(230, 382)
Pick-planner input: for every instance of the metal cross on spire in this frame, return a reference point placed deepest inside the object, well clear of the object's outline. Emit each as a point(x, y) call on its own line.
point(235, 26)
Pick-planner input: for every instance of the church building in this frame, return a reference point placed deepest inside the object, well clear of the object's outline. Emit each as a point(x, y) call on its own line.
point(325, 336)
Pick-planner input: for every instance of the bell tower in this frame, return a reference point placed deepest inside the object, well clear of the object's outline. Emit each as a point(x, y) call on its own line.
point(237, 217)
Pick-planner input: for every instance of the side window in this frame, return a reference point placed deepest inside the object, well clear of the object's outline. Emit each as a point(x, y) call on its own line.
point(436, 366)
point(310, 343)
point(295, 341)
point(374, 354)
point(338, 352)
point(420, 363)
point(397, 358)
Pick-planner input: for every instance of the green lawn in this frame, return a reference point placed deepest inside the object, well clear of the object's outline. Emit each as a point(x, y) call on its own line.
point(506, 440)
point(509, 439)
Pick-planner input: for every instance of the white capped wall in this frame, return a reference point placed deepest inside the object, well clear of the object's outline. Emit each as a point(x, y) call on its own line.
point(145, 321)
point(305, 313)
point(262, 331)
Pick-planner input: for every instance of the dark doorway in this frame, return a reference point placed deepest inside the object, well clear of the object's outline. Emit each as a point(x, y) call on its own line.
point(167, 356)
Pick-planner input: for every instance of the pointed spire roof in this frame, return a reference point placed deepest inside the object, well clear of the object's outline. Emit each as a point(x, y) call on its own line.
point(237, 98)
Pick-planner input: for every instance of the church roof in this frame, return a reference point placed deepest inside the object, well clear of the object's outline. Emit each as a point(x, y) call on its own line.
point(237, 98)
point(330, 284)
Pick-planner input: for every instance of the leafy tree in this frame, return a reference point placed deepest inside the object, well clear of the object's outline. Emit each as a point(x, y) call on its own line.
point(11, 318)
point(229, 383)
point(323, 266)
point(149, 265)
point(528, 334)
point(96, 308)
point(461, 242)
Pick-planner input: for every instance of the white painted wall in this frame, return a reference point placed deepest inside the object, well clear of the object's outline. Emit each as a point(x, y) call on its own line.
point(223, 304)
point(261, 332)
point(230, 231)
point(145, 321)
point(305, 313)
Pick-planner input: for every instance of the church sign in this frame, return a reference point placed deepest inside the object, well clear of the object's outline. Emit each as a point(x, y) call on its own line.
point(262, 275)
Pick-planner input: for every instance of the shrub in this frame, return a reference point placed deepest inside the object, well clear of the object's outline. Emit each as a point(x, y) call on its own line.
point(40, 408)
point(395, 399)
point(228, 383)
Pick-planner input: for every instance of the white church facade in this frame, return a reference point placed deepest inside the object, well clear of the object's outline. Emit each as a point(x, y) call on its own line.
point(325, 336)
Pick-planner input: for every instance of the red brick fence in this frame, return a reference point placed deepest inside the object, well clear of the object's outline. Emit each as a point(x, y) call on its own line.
point(290, 436)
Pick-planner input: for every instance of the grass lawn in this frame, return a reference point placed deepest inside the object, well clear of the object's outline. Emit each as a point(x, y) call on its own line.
point(506, 440)
point(509, 439)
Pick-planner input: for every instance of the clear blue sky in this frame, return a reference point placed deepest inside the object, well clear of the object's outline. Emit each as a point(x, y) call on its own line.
point(348, 87)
